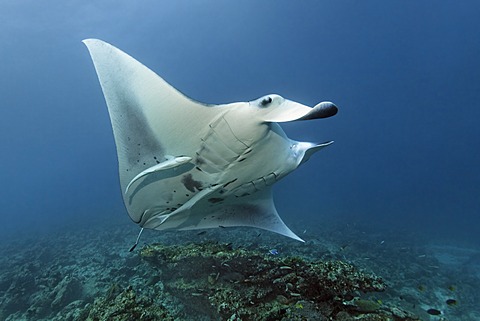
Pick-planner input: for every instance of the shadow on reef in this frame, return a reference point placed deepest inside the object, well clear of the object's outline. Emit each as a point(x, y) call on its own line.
point(214, 281)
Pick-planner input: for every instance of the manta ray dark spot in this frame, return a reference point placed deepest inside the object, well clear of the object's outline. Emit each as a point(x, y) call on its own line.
point(199, 161)
point(434, 312)
point(215, 199)
point(228, 183)
point(190, 183)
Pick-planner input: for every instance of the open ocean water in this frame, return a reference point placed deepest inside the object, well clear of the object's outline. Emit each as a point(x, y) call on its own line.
point(390, 213)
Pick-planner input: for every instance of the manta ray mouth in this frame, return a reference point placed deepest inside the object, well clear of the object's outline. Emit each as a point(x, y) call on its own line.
point(324, 109)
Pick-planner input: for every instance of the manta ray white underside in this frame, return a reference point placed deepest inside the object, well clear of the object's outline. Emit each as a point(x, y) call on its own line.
point(186, 165)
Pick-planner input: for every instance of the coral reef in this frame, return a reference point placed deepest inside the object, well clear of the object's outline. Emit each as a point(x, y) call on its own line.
point(241, 284)
point(88, 274)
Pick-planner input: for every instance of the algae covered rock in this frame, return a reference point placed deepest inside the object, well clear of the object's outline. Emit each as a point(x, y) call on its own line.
point(67, 290)
point(224, 283)
point(367, 305)
point(123, 304)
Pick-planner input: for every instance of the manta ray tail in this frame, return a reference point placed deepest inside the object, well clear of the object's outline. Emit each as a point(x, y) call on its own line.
point(136, 242)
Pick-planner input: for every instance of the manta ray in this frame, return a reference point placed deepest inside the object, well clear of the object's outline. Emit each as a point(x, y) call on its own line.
point(187, 165)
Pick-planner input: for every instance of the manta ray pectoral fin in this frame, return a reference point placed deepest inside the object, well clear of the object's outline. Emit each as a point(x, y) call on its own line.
point(171, 162)
point(256, 210)
point(263, 215)
point(177, 217)
point(149, 117)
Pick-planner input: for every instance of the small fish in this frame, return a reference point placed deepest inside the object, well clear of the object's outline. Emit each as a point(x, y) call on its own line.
point(348, 297)
point(434, 312)
point(202, 233)
point(452, 288)
point(382, 242)
point(451, 302)
point(273, 252)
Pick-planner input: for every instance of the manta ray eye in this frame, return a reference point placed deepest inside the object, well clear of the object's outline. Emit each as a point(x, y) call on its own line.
point(266, 101)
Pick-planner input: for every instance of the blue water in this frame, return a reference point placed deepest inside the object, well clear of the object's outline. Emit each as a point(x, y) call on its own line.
point(404, 74)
